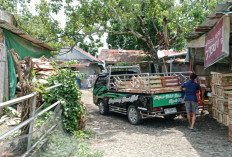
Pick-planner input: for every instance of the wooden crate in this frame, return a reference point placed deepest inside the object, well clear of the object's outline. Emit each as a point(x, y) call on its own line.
point(151, 81)
point(221, 79)
point(222, 104)
point(230, 121)
point(166, 90)
point(226, 119)
point(230, 114)
point(214, 89)
point(170, 81)
point(124, 84)
point(230, 130)
point(213, 100)
point(214, 112)
point(223, 91)
point(220, 117)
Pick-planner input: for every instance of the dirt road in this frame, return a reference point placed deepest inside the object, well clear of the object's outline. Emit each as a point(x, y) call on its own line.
point(116, 137)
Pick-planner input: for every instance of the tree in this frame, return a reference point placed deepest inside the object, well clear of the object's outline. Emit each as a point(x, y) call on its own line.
point(139, 24)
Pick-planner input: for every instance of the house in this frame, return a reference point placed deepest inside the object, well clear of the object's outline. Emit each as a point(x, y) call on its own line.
point(210, 52)
point(131, 57)
point(173, 61)
point(24, 45)
point(210, 44)
point(113, 56)
point(87, 63)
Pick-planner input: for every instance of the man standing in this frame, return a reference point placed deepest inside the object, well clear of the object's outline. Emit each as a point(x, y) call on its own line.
point(191, 105)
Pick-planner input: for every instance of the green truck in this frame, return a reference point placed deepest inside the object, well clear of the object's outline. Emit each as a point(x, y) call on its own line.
point(123, 89)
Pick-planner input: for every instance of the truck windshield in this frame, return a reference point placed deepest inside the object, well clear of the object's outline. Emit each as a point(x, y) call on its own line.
point(101, 81)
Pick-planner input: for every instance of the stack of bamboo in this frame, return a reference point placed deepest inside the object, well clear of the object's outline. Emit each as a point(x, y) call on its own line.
point(230, 115)
point(221, 87)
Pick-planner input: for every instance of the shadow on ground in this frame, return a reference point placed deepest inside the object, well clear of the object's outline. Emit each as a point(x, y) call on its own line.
point(210, 140)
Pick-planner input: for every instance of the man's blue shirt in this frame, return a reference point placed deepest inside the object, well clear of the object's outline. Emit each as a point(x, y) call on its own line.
point(190, 90)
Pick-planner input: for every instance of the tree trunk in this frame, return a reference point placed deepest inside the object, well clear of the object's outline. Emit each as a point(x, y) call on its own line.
point(150, 44)
point(26, 88)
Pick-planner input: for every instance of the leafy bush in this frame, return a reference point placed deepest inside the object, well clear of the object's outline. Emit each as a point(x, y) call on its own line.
point(68, 94)
point(85, 134)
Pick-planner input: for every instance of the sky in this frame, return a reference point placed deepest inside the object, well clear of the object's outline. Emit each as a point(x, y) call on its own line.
point(62, 18)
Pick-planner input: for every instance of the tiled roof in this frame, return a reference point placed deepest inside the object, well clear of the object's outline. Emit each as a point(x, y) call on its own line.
point(86, 54)
point(163, 53)
point(114, 55)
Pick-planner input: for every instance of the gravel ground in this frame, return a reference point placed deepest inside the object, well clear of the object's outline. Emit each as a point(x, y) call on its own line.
point(116, 137)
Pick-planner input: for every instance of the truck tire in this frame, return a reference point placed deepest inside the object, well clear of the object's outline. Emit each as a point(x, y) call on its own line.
point(103, 107)
point(134, 116)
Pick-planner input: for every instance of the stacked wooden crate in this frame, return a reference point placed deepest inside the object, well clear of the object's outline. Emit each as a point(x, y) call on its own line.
point(151, 81)
point(204, 82)
point(145, 84)
point(170, 81)
point(221, 88)
point(230, 115)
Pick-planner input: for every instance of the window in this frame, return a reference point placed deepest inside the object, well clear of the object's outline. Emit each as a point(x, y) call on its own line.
point(100, 82)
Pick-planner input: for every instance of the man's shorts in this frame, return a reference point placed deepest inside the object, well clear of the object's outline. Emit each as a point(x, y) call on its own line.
point(191, 106)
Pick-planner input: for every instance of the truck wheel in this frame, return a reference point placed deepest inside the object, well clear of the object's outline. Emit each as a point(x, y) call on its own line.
point(134, 116)
point(103, 107)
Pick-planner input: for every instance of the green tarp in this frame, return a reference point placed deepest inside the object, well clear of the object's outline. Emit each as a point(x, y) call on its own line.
point(24, 48)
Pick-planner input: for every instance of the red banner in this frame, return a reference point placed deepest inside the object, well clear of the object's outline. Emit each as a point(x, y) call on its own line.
point(215, 42)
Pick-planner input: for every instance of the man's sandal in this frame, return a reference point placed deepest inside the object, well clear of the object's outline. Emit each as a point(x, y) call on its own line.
point(194, 130)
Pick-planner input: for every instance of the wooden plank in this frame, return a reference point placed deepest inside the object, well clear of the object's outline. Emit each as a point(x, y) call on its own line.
point(154, 86)
point(152, 81)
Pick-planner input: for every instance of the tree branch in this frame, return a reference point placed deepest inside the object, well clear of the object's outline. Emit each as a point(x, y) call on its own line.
point(154, 25)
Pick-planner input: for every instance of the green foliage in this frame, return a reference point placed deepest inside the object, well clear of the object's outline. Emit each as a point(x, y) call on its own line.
point(82, 134)
point(91, 47)
point(86, 18)
point(13, 135)
point(191, 13)
point(8, 112)
point(68, 94)
point(59, 144)
point(39, 121)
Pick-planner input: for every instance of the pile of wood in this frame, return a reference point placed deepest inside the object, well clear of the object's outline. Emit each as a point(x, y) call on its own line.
point(204, 82)
point(148, 84)
point(230, 115)
point(221, 88)
point(43, 68)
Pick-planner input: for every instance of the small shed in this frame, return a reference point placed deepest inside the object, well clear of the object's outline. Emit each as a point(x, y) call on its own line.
point(173, 61)
point(87, 63)
point(210, 48)
point(132, 57)
point(113, 56)
point(24, 45)
point(210, 44)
